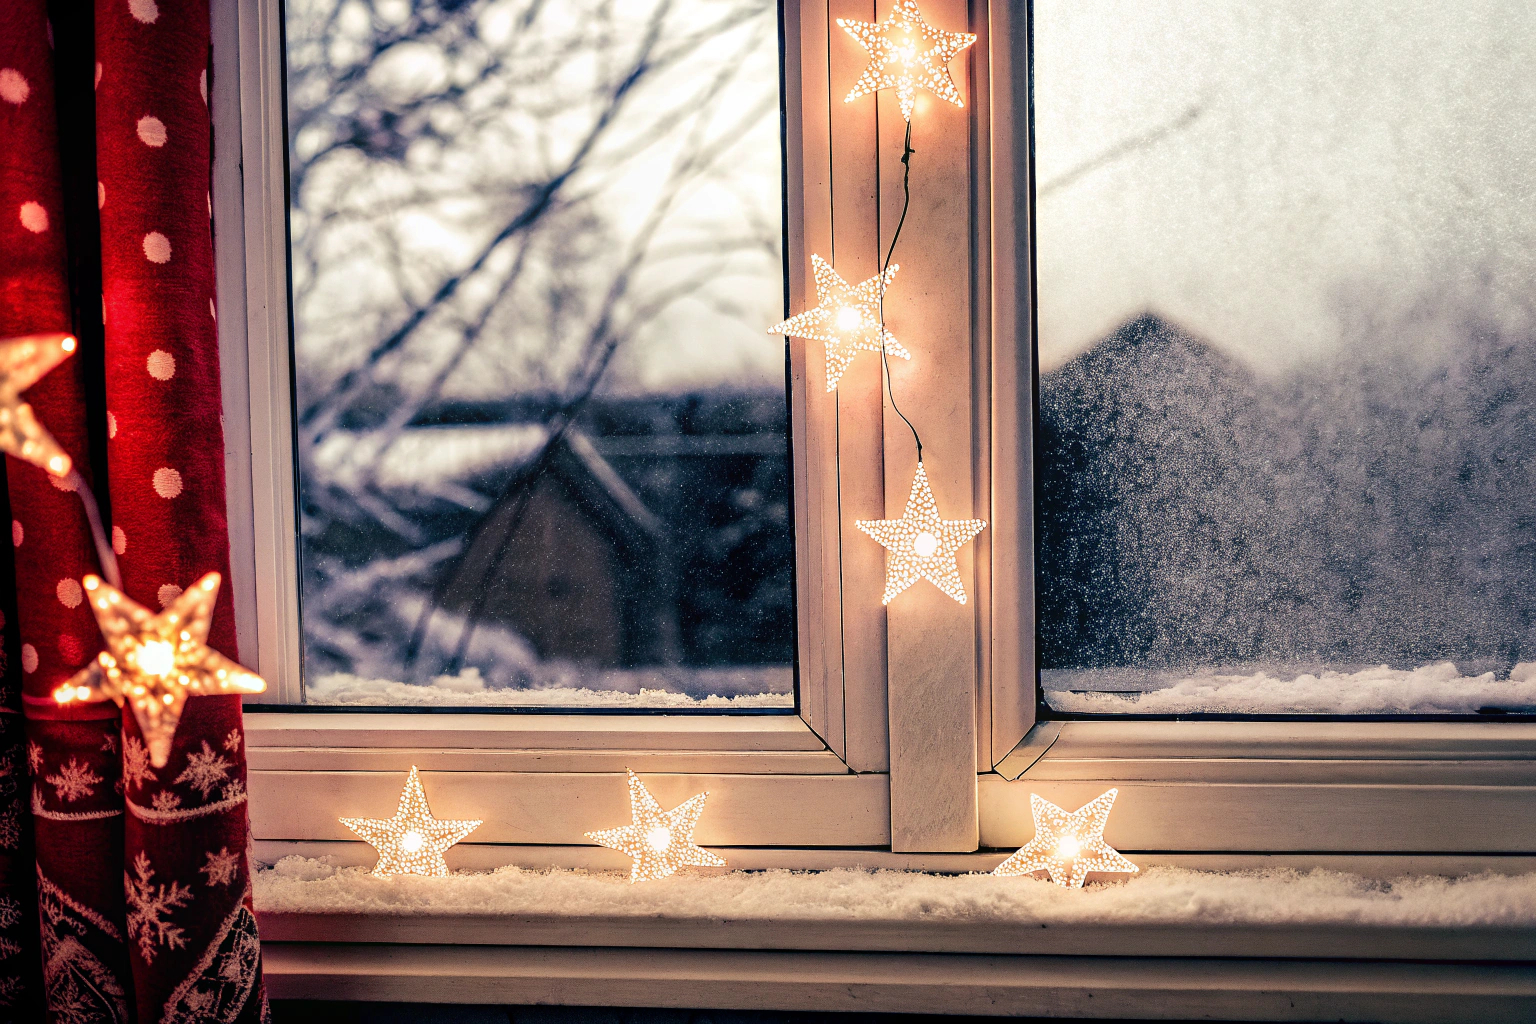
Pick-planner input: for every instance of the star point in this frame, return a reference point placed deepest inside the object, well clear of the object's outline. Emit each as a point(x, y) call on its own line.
point(23, 362)
point(155, 661)
point(1068, 845)
point(413, 841)
point(920, 545)
point(846, 319)
point(906, 54)
point(659, 841)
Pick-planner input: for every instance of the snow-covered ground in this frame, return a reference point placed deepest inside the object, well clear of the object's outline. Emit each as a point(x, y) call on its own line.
point(1438, 689)
point(724, 689)
point(299, 884)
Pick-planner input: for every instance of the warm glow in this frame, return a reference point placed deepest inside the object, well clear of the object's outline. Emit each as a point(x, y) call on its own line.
point(920, 545)
point(1067, 846)
point(23, 362)
point(157, 658)
point(154, 662)
point(844, 319)
point(906, 54)
point(413, 841)
point(659, 841)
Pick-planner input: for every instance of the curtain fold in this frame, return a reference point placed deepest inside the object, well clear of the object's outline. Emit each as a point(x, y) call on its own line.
point(141, 879)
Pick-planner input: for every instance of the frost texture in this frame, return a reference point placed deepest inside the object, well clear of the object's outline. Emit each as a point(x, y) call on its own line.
point(1174, 895)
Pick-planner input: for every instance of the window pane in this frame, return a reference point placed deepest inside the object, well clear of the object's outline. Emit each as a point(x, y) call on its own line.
point(1286, 258)
point(541, 433)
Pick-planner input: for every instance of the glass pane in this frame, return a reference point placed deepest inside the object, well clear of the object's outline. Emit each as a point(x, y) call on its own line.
point(541, 433)
point(1288, 356)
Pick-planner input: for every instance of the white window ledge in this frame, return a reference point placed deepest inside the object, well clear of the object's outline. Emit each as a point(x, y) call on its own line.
point(1274, 945)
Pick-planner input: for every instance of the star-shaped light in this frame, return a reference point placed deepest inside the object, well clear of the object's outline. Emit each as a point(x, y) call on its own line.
point(1068, 846)
point(155, 661)
point(846, 319)
point(920, 545)
point(23, 362)
point(659, 841)
point(412, 842)
point(905, 54)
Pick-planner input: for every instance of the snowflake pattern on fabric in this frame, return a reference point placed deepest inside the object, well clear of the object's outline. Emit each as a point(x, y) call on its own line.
point(80, 988)
point(74, 781)
point(234, 741)
point(136, 767)
point(219, 988)
point(206, 770)
point(165, 801)
point(234, 791)
point(150, 907)
point(221, 868)
point(34, 759)
point(10, 832)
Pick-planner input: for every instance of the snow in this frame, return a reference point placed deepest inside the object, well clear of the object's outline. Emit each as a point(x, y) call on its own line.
point(728, 689)
point(1157, 895)
point(1437, 689)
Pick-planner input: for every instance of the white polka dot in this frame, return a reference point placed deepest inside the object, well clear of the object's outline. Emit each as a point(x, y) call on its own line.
point(202, 85)
point(63, 483)
point(144, 10)
point(157, 248)
point(69, 593)
point(34, 218)
point(161, 365)
point(101, 195)
point(167, 482)
point(98, 74)
point(151, 131)
point(17, 533)
point(13, 86)
point(119, 540)
point(111, 425)
point(167, 594)
point(28, 658)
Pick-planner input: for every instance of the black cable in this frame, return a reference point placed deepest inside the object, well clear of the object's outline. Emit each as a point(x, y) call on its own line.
point(906, 202)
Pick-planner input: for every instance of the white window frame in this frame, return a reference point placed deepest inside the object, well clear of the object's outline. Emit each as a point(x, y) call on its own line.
point(915, 743)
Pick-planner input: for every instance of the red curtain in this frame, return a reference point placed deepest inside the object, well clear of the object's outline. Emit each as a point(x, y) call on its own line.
point(140, 889)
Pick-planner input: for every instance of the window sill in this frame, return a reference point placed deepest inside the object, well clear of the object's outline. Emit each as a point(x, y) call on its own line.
point(1169, 944)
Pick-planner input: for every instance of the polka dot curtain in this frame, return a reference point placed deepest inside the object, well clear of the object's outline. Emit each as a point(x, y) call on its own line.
point(141, 884)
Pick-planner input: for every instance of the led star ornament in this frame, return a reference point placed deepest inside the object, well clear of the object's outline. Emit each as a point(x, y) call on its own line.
point(412, 842)
point(659, 841)
point(23, 362)
point(1068, 845)
point(846, 319)
point(920, 545)
point(905, 54)
point(156, 661)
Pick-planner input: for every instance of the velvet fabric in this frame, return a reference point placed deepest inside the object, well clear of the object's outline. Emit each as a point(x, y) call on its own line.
point(141, 888)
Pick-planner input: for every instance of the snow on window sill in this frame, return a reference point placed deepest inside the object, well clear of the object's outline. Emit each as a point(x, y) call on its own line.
point(660, 689)
point(1438, 689)
point(1162, 912)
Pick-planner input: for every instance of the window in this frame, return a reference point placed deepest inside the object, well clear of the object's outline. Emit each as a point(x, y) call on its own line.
point(1287, 401)
point(541, 435)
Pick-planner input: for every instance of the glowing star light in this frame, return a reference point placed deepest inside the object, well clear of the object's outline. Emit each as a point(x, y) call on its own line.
point(156, 661)
point(846, 319)
point(23, 362)
point(920, 545)
point(412, 842)
point(905, 54)
point(659, 841)
point(1068, 846)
